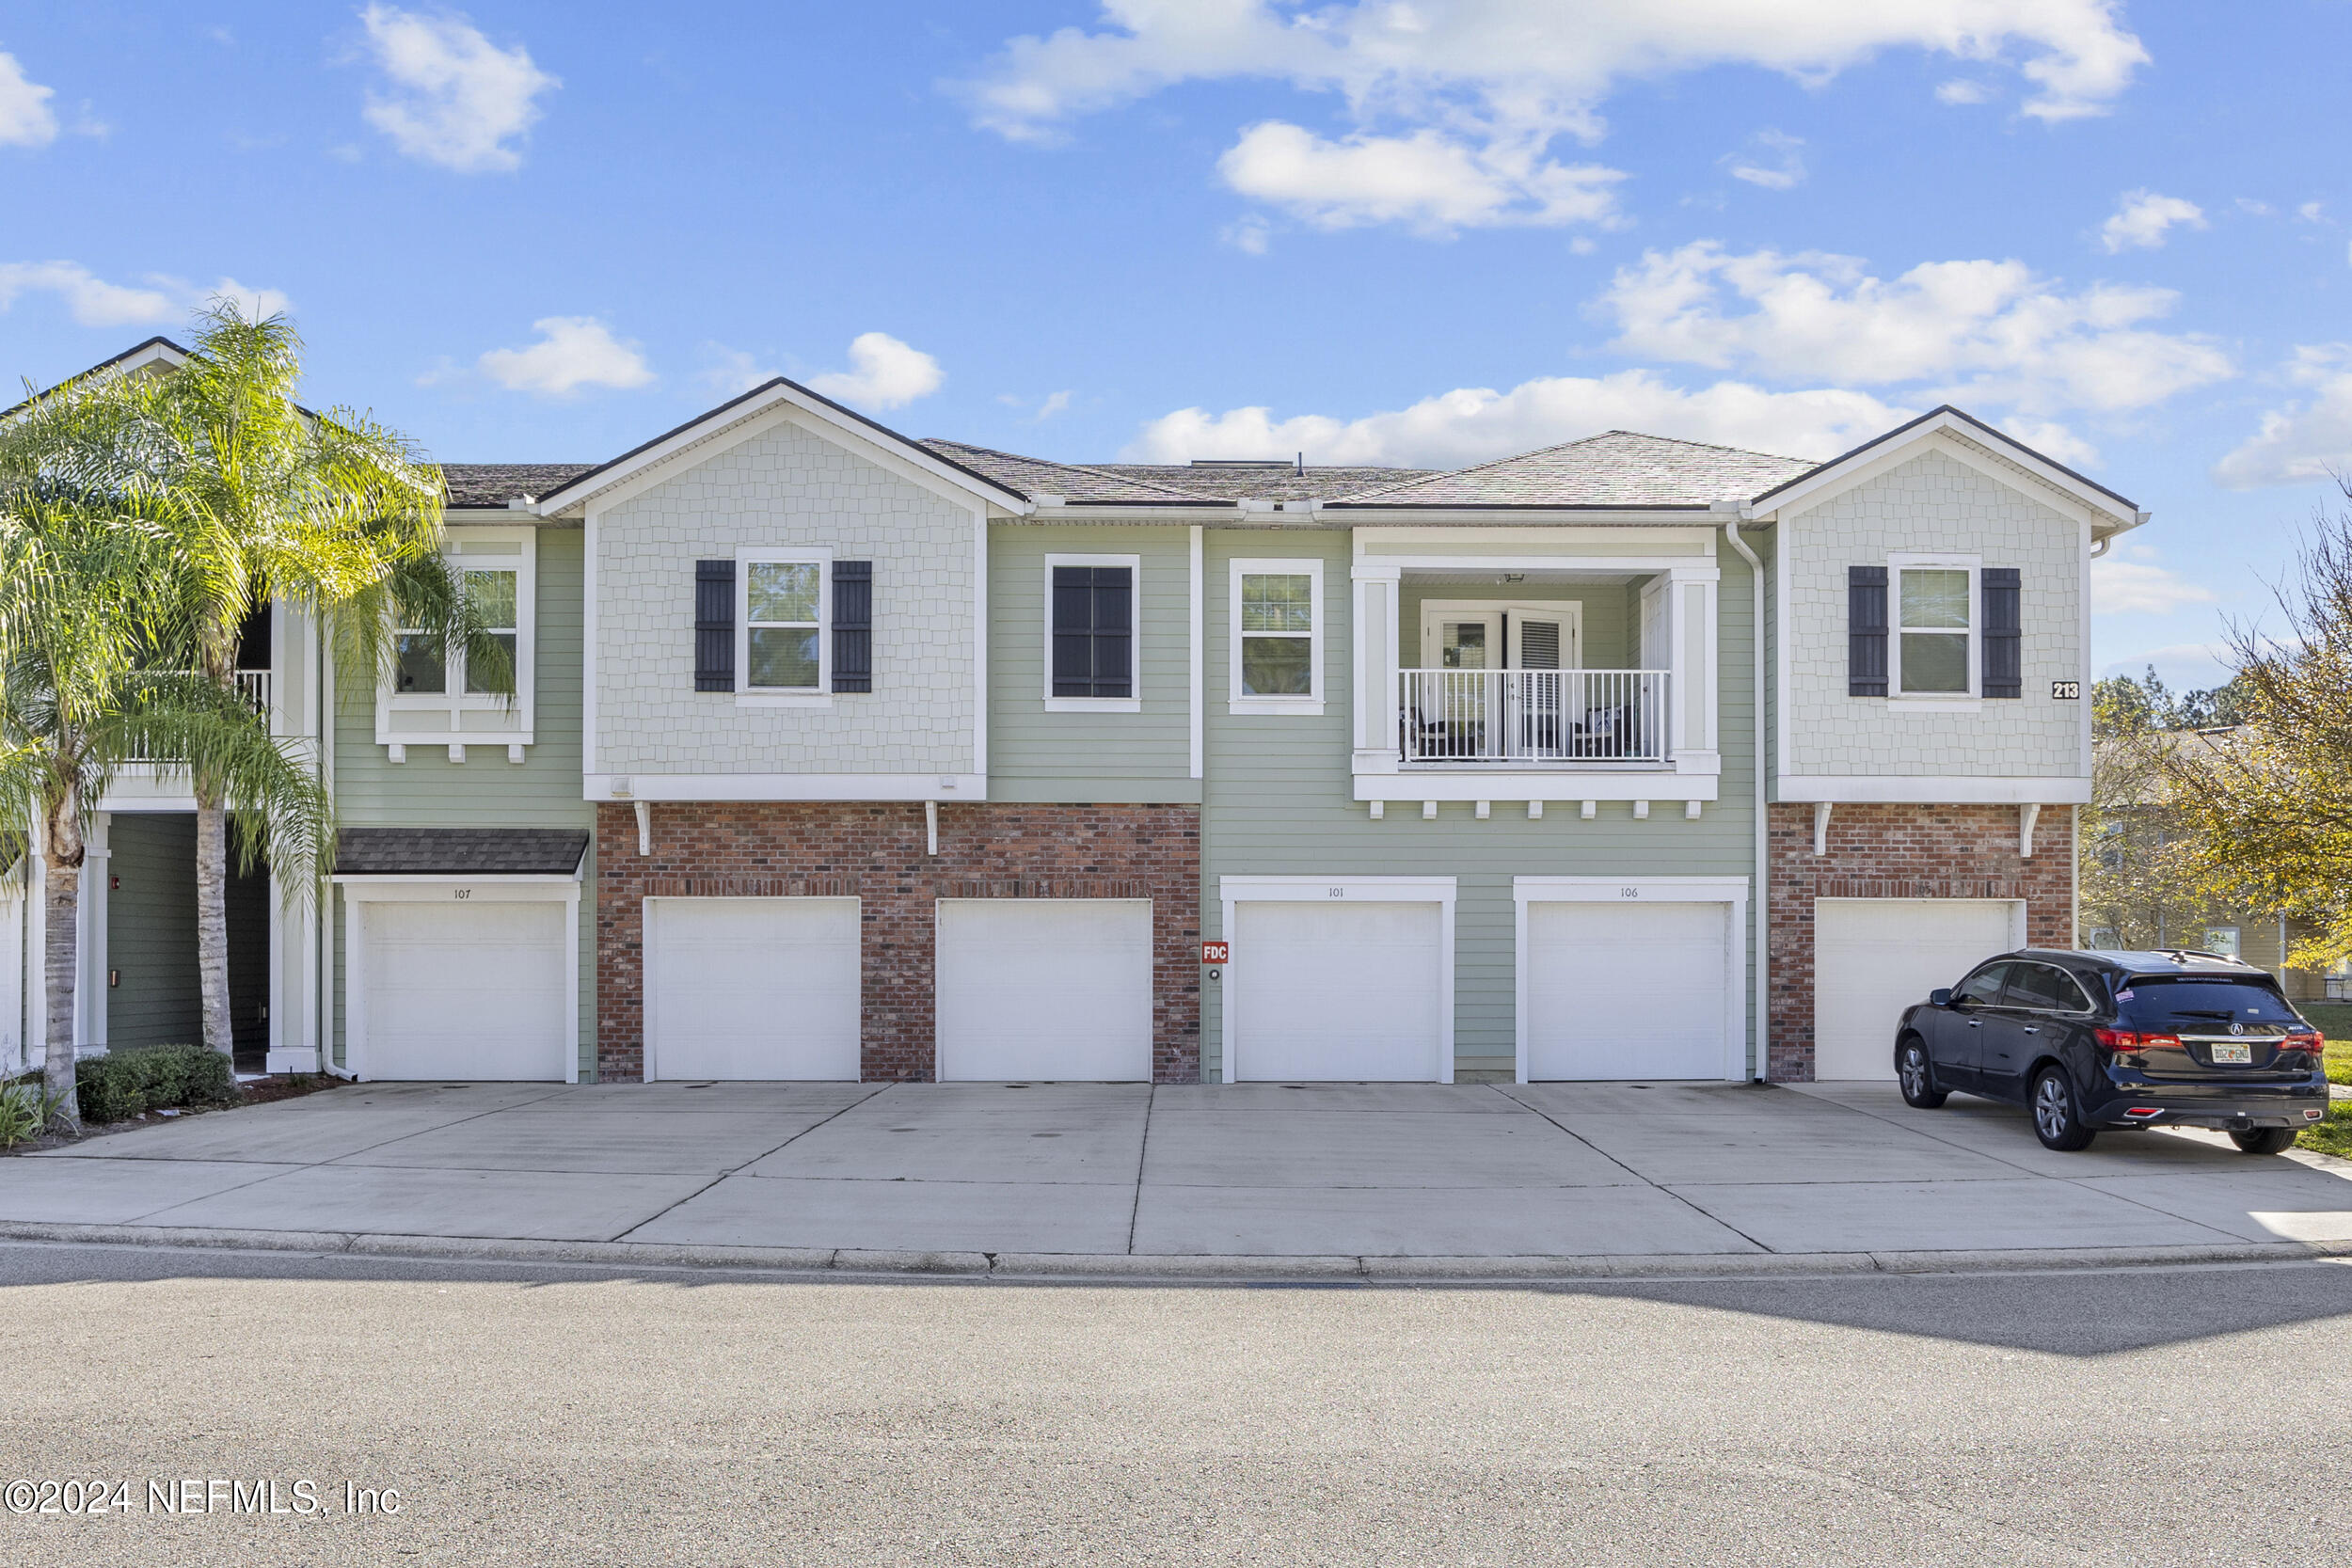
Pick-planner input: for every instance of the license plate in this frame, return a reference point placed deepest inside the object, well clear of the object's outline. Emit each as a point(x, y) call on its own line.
point(2233, 1054)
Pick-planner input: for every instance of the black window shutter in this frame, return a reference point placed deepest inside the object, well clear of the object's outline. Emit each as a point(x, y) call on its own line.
point(2004, 672)
point(1865, 631)
point(714, 625)
point(1093, 631)
point(853, 626)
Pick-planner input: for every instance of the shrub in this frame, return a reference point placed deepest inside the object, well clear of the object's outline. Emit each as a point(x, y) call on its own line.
point(123, 1082)
point(24, 1112)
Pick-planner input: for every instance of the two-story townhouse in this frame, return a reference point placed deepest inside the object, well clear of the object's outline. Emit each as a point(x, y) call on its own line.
point(846, 754)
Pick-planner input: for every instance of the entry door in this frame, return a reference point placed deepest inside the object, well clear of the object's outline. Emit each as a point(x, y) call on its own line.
point(1541, 640)
point(1456, 640)
point(1629, 990)
point(752, 988)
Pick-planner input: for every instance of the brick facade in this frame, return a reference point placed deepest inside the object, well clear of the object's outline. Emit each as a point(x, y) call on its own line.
point(877, 853)
point(1903, 851)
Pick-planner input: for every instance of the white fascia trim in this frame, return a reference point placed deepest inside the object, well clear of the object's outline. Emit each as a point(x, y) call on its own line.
point(1645, 784)
point(1966, 442)
point(1730, 891)
point(1941, 789)
point(785, 786)
point(766, 406)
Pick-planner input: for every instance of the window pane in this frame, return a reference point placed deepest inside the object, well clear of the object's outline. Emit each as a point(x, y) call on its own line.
point(2221, 940)
point(420, 663)
point(1283, 602)
point(1462, 646)
point(504, 640)
point(1985, 984)
point(1938, 599)
point(492, 595)
point(1277, 666)
point(2034, 986)
point(783, 591)
point(1935, 661)
point(782, 657)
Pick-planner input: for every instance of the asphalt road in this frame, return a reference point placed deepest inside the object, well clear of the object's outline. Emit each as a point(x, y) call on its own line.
point(539, 1416)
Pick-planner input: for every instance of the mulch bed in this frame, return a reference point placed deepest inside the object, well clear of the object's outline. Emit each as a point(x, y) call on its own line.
point(258, 1091)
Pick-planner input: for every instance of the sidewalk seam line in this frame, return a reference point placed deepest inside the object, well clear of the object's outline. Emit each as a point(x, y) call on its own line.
point(861, 1100)
point(1636, 1176)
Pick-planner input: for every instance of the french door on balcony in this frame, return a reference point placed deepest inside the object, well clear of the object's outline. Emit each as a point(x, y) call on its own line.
point(1475, 714)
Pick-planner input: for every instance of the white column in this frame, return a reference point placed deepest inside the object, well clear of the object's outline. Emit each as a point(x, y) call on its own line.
point(1374, 608)
point(89, 1003)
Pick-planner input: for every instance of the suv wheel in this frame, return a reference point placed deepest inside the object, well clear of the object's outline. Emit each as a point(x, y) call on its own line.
point(1916, 1074)
point(2055, 1120)
point(2265, 1140)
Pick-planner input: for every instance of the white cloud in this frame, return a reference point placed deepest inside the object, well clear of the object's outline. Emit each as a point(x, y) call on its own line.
point(89, 300)
point(1961, 91)
point(2307, 439)
point(2143, 218)
point(1428, 181)
point(2310, 211)
point(572, 352)
point(1474, 424)
point(732, 371)
point(2186, 665)
point(456, 98)
point(2139, 588)
point(1483, 87)
point(255, 303)
point(1055, 402)
point(25, 118)
point(1784, 171)
point(1247, 235)
point(1985, 330)
point(885, 374)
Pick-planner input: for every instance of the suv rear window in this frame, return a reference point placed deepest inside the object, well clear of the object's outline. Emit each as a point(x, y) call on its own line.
point(2187, 1004)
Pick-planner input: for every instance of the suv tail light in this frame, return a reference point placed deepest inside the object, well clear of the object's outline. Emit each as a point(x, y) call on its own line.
point(2303, 1039)
point(2125, 1042)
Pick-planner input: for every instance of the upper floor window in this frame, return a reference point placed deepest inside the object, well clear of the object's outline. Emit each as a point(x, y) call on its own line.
point(1276, 653)
point(1091, 642)
point(783, 621)
point(437, 695)
point(1935, 627)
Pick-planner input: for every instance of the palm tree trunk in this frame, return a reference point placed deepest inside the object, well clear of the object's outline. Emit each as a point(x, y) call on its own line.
point(212, 919)
point(61, 903)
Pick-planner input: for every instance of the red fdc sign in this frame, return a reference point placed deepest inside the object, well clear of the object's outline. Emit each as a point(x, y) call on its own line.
point(1215, 952)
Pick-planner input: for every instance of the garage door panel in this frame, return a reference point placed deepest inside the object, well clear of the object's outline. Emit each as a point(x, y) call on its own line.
point(753, 989)
point(1628, 990)
point(1872, 957)
point(464, 990)
point(1051, 989)
point(1338, 992)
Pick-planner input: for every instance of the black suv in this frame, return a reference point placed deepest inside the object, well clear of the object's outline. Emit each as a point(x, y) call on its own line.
point(2093, 1040)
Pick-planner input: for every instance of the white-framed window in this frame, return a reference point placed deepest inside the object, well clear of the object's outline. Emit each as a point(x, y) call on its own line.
point(1934, 622)
point(1093, 634)
point(2222, 940)
point(433, 698)
point(1276, 637)
point(783, 649)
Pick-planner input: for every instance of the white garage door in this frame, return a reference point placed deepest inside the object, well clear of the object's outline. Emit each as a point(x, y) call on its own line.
point(1057, 988)
point(752, 988)
point(1631, 990)
point(463, 990)
point(1337, 992)
point(1872, 957)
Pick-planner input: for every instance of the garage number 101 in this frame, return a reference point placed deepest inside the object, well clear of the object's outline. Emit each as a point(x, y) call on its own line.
point(1335, 893)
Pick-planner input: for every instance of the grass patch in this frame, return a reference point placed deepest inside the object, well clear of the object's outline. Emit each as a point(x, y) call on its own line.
point(2332, 1137)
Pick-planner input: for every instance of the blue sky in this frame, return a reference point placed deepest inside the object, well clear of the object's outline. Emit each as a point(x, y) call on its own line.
point(1424, 233)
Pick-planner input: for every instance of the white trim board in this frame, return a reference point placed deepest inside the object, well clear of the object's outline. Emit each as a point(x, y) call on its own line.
point(1940, 790)
point(1645, 783)
point(1966, 442)
point(785, 786)
point(1732, 892)
point(1308, 889)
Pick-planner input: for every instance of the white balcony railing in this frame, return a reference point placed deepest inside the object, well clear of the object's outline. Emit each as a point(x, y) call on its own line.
point(255, 685)
point(1468, 717)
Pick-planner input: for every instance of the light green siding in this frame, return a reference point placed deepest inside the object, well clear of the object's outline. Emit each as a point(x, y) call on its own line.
point(485, 790)
point(151, 930)
point(1278, 803)
point(1038, 755)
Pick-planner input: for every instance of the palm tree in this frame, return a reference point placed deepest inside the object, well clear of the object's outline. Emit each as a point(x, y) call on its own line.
point(87, 591)
point(330, 513)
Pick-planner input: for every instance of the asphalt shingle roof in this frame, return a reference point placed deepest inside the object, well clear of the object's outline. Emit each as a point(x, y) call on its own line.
point(496, 484)
point(462, 851)
point(1266, 482)
point(1617, 467)
point(1034, 476)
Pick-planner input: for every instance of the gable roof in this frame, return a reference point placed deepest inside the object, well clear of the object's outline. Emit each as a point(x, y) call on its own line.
point(496, 484)
point(769, 394)
point(1617, 468)
point(155, 350)
point(1967, 426)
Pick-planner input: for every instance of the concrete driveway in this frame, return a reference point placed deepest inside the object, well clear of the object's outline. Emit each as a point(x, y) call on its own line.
point(1344, 1173)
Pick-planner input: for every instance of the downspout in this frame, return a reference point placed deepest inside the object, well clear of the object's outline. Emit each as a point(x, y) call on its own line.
point(1763, 900)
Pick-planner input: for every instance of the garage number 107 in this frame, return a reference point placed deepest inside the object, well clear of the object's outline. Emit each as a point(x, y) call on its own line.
point(462, 893)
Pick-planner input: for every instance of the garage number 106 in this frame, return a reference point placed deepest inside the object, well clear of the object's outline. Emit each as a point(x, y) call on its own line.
point(1629, 892)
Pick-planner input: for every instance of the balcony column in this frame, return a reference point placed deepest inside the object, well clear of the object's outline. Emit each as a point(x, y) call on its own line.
point(1376, 683)
point(1692, 695)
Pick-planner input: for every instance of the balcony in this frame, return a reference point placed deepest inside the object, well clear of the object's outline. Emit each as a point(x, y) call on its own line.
point(1533, 718)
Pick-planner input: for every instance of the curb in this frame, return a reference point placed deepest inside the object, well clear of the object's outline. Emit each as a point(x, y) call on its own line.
point(1118, 1268)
